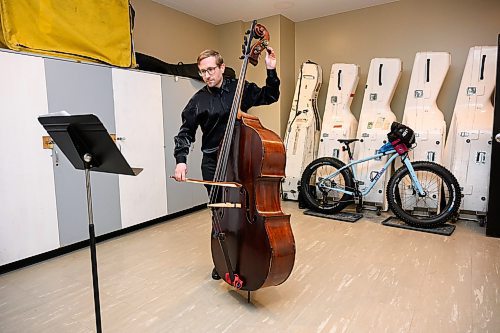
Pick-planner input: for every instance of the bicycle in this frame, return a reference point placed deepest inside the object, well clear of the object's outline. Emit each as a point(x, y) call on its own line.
point(422, 194)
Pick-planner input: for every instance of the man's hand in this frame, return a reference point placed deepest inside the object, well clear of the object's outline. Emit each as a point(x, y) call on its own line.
point(270, 58)
point(180, 172)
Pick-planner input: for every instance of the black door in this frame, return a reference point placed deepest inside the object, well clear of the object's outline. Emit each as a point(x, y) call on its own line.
point(493, 217)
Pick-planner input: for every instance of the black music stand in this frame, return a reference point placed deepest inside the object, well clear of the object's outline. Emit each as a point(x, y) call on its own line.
point(88, 146)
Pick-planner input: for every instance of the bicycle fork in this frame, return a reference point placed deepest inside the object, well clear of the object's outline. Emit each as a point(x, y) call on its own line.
point(413, 176)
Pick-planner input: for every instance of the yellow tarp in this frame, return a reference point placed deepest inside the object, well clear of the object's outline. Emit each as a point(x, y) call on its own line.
point(89, 30)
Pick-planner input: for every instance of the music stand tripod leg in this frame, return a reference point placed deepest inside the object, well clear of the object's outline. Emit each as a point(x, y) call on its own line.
point(93, 252)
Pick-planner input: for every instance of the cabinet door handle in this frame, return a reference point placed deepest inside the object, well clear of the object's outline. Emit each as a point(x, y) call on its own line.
point(118, 139)
point(56, 156)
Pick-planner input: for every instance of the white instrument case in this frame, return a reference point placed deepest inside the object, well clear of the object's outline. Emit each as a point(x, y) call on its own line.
point(468, 146)
point(303, 128)
point(338, 120)
point(374, 123)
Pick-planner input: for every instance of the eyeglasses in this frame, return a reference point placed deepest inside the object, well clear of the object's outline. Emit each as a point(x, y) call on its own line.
point(209, 70)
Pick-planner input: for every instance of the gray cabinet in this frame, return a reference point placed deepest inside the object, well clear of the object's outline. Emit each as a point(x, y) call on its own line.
point(176, 93)
point(43, 196)
point(82, 89)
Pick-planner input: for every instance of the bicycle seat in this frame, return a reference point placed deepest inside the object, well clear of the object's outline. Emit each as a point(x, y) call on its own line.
point(347, 141)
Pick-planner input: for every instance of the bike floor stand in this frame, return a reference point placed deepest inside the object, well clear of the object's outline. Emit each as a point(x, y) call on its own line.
point(445, 229)
point(341, 216)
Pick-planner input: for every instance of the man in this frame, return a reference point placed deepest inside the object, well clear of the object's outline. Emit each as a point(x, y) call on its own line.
point(209, 108)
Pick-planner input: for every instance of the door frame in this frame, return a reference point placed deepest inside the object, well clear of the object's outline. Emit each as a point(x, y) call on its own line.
point(493, 215)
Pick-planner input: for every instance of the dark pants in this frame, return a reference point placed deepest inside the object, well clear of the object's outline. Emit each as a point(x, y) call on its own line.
point(208, 165)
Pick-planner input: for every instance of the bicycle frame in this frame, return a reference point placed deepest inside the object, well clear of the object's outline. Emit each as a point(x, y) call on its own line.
point(393, 155)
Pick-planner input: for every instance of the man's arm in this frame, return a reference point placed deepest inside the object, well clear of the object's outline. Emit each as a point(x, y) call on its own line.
point(254, 95)
point(183, 140)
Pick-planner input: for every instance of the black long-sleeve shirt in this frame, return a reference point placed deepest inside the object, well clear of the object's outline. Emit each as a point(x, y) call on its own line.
point(209, 108)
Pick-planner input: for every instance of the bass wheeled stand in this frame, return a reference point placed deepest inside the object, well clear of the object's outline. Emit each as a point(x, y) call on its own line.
point(88, 146)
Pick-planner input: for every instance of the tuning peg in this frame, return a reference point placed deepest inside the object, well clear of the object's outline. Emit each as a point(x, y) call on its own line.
point(245, 39)
point(247, 32)
point(242, 57)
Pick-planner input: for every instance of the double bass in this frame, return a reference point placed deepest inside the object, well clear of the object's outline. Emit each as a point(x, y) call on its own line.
point(252, 241)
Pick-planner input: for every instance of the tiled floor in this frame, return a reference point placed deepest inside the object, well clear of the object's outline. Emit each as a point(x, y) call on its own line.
point(348, 277)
